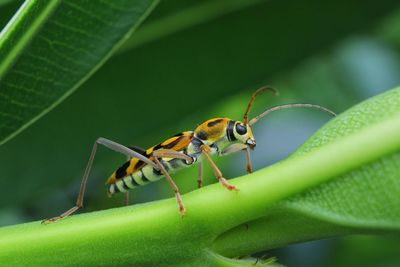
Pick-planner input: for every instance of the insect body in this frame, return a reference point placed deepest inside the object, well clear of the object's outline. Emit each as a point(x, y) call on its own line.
point(220, 136)
point(208, 138)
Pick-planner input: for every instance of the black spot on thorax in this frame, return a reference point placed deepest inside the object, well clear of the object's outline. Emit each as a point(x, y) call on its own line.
point(201, 135)
point(214, 122)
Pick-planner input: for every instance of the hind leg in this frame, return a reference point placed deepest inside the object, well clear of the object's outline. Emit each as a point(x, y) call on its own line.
point(178, 196)
point(111, 145)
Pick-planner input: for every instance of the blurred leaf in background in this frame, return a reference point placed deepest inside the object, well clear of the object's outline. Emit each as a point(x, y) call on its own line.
point(192, 60)
point(47, 53)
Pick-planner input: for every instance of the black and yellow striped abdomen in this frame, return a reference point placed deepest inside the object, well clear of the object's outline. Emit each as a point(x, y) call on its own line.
point(145, 175)
point(135, 172)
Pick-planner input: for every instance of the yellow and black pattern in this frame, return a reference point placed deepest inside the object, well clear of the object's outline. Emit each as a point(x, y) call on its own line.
point(135, 172)
point(214, 133)
point(212, 130)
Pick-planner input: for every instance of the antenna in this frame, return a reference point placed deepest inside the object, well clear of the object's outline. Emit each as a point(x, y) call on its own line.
point(285, 106)
point(253, 97)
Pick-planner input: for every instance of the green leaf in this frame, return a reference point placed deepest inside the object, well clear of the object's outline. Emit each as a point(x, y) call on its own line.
point(363, 200)
point(356, 199)
point(7, 10)
point(153, 234)
point(50, 48)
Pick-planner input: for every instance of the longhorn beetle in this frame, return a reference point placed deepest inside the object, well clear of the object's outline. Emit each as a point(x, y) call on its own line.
point(220, 136)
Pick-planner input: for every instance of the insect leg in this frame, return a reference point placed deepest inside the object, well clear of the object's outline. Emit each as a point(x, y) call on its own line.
point(182, 209)
point(205, 150)
point(236, 148)
point(124, 150)
point(111, 145)
point(233, 149)
point(170, 153)
point(248, 161)
point(200, 175)
point(126, 198)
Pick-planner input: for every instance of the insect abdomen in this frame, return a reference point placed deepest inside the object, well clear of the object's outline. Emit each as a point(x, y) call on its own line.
point(145, 175)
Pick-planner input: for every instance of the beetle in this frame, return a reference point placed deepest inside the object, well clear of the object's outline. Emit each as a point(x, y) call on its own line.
point(221, 136)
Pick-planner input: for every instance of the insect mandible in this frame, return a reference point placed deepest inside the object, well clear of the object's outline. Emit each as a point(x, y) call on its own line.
point(221, 136)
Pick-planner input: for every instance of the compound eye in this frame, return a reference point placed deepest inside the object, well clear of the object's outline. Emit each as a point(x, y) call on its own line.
point(241, 129)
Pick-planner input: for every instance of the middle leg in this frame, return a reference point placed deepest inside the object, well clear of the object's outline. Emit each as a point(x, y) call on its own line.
point(205, 151)
point(171, 182)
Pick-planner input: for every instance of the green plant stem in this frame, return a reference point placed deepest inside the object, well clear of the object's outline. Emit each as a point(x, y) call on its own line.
point(266, 233)
point(134, 234)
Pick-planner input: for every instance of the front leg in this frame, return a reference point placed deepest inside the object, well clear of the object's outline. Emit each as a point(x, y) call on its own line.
point(236, 148)
point(233, 148)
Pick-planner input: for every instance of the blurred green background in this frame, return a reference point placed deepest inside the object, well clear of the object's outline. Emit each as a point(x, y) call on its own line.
point(192, 60)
